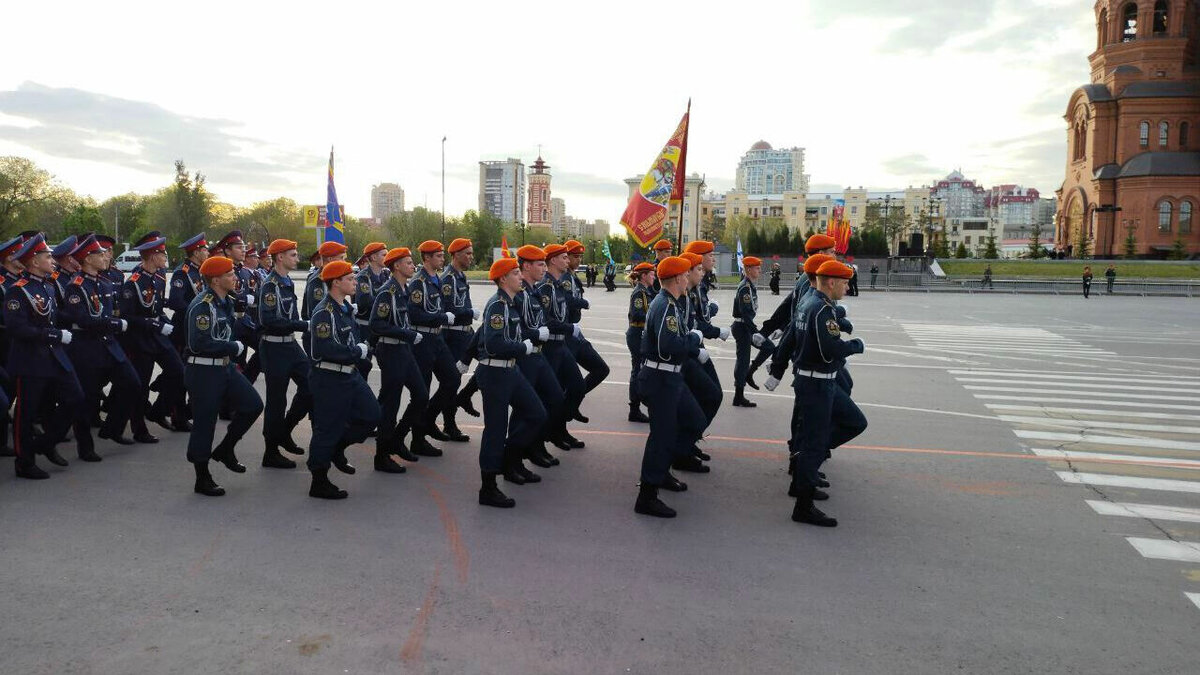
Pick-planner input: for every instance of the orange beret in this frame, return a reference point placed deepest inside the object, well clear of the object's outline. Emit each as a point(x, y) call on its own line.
point(644, 267)
point(215, 266)
point(833, 268)
point(573, 246)
point(531, 252)
point(396, 254)
point(331, 248)
point(553, 250)
point(501, 267)
point(662, 245)
point(673, 266)
point(336, 270)
point(814, 262)
point(458, 245)
point(819, 242)
point(373, 247)
point(692, 258)
point(430, 246)
point(751, 261)
point(699, 247)
point(280, 246)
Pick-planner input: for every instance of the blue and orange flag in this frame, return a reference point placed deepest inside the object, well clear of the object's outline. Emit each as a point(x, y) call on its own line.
point(334, 227)
point(646, 214)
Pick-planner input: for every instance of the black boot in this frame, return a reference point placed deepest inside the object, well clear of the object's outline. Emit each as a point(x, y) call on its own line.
point(321, 488)
point(53, 457)
point(223, 453)
point(436, 434)
point(690, 464)
point(342, 464)
point(750, 379)
point(673, 484)
point(648, 503)
point(205, 485)
point(580, 417)
point(539, 456)
point(636, 414)
point(399, 448)
point(385, 463)
point(89, 455)
point(805, 512)
point(454, 434)
point(31, 471)
point(272, 459)
point(288, 445)
point(575, 443)
point(115, 438)
point(740, 400)
point(424, 448)
point(463, 400)
point(490, 495)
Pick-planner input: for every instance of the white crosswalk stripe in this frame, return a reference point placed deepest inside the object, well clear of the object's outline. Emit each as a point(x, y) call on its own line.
point(1133, 482)
point(1079, 456)
point(998, 339)
point(1175, 513)
point(1165, 549)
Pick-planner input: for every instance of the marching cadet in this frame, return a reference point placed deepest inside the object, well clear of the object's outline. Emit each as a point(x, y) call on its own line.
point(566, 370)
point(458, 335)
point(675, 416)
point(10, 273)
point(698, 372)
point(500, 346)
point(639, 302)
point(815, 346)
point(427, 311)
point(530, 309)
point(745, 333)
point(147, 342)
point(662, 251)
point(314, 288)
point(585, 354)
point(371, 276)
point(398, 368)
point(89, 306)
point(186, 284)
point(116, 276)
point(782, 317)
point(65, 267)
point(344, 408)
point(213, 377)
point(282, 359)
point(245, 329)
point(39, 364)
point(253, 263)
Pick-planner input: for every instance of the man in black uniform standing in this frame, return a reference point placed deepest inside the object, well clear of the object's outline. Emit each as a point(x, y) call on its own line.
point(283, 360)
point(639, 302)
point(745, 332)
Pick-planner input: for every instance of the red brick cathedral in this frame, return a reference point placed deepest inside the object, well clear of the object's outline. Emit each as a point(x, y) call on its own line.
point(1133, 142)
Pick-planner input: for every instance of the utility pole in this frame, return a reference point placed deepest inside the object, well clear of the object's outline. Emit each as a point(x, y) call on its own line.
point(443, 188)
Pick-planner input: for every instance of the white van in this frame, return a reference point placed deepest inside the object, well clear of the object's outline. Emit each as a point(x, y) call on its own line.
point(128, 260)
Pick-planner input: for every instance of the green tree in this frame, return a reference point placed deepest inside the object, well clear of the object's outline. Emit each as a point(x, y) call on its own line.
point(193, 202)
point(484, 230)
point(990, 251)
point(961, 251)
point(85, 218)
point(1083, 244)
point(124, 214)
point(1036, 250)
point(24, 189)
point(1178, 249)
point(941, 247)
point(1129, 245)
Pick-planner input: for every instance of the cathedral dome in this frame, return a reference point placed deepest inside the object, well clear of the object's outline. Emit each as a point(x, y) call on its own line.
point(761, 145)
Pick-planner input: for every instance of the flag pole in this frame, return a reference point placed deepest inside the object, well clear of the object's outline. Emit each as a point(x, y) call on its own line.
point(683, 175)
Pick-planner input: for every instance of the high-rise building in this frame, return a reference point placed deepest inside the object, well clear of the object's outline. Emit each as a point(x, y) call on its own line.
point(766, 171)
point(539, 195)
point(387, 200)
point(959, 196)
point(558, 214)
point(502, 189)
point(1133, 155)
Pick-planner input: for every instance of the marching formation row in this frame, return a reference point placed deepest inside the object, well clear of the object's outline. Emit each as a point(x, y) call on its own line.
point(73, 325)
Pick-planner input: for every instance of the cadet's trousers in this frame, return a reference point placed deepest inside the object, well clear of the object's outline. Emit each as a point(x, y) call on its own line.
point(60, 389)
point(701, 379)
point(847, 420)
point(284, 362)
point(741, 365)
point(504, 388)
point(171, 383)
point(675, 422)
point(398, 370)
point(435, 360)
point(540, 376)
point(811, 427)
point(125, 397)
point(344, 413)
point(633, 340)
point(210, 388)
point(590, 360)
point(566, 371)
point(458, 342)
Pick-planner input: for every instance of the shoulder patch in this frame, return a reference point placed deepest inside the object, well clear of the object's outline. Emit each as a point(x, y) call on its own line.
point(496, 321)
point(203, 322)
point(447, 289)
point(545, 301)
point(639, 302)
point(269, 299)
point(73, 299)
point(747, 299)
point(184, 268)
point(78, 281)
point(14, 304)
point(133, 277)
point(832, 327)
point(364, 287)
point(319, 292)
point(672, 324)
point(416, 295)
point(383, 310)
point(21, 282)
point(324, 330)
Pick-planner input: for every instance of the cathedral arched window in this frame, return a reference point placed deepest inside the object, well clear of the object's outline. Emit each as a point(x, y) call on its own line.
point(1164, 133)
point(1103, 32)
point(1183, 135)
point(1164, 216)
point(1144, 134)
point(1129, 22)
point(1185, 218)
point(1160, 17)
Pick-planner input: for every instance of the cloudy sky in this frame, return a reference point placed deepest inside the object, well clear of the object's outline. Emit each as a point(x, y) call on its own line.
point(883, 94)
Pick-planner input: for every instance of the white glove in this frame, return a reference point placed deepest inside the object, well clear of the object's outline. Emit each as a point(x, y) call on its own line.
point(543, 333)
point(697, 333)
point(475, 315)
point(462, 367)
point(724, 333)
point(362, 350)
point(354, 308)
point(124, 325)
point(449, 318)
point(776, 335)
point(418, 338)
point(65, 336)
point(577, 329)
point(166, 328)
point(771, 383)
point(703, 355)
point(241, 347)
point(528, 347)
point(250, 300)
point(757, 339)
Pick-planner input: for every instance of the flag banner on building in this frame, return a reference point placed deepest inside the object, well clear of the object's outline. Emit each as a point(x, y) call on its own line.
point(739, 255)
point(504, 247)
point(646, 215)
point(334, 223)
point(607, 252)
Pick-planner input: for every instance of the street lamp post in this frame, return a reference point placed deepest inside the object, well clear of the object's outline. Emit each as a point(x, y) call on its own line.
point(443, 188)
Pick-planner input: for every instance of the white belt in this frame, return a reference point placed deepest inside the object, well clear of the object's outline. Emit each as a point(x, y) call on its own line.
point(363, 322)
point(670, 368)
point(279, 338)
point(205, 361)
point(816, 375)
point(427, 329)
point(390, 340)
point(463, 329)
point(558, 338)
point(335, 367)
point(498, 363)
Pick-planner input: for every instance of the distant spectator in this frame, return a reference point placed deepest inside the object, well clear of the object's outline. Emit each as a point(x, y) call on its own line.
point(1110, 275)
point(987, 278)
point(1087, 280)
point(874, 273)
point(775, 272)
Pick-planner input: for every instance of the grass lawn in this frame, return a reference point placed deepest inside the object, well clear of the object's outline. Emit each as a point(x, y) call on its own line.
point(1132, 269)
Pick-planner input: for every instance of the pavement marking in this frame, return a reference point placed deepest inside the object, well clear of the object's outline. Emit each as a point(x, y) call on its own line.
point(1194, 597)
point(1135, 482)
point(1170, 379)
point(1085, 437)
point(1098, 424)
point(1116, 404)
point(1077, 392)
point(1132, 459)
point(1149, 511)
point(1102, 386)
point(1092, 411)
point(1165, 549)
